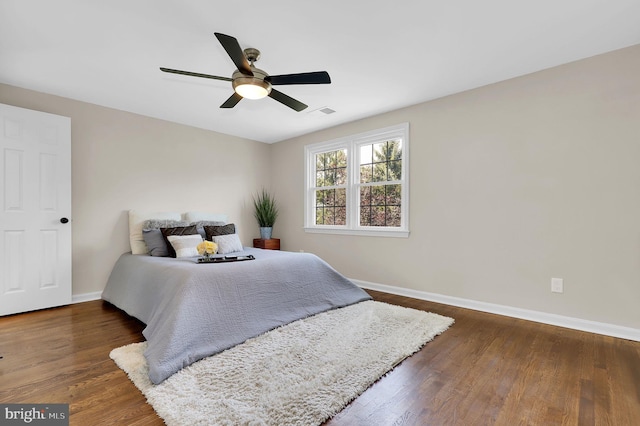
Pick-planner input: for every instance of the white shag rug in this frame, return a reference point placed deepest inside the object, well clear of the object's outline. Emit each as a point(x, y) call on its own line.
point(302, 373)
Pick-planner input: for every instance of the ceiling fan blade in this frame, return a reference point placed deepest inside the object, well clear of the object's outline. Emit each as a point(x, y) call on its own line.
point(318, 77)
point(195, 74)
point(234, 50)
point(232, 101)
point(287, 100)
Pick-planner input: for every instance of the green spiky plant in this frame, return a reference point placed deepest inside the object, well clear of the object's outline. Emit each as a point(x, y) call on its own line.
point(265, 209)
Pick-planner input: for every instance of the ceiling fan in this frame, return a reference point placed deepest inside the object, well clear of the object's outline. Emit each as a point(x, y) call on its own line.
point(253, 83)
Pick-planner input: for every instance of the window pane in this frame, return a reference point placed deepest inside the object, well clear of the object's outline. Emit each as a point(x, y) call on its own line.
point(395, 170)
point(341, 176)
point(329, 216)
point(365, 195)
point(378, 216)
point(319, 216)
point(378, 196)
point(393, 216)
point(366, 155)
point(330, 177)
point(340, 197)
point(379, 172)
point(379, 152)
point(331, 159)
point(322, 160)
point(329, 197)
point(341, 216)
point(366, 173)
point(394, 195)
point(320, 178)
point(342, 158)
point(365, 215)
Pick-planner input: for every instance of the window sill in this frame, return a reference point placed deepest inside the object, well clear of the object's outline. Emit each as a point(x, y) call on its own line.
point(360, 232)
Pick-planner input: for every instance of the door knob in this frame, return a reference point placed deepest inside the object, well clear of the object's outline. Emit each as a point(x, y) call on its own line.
point(64, 220)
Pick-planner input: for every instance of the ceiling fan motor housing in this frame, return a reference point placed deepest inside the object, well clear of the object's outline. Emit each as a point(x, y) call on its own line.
point(258, 79)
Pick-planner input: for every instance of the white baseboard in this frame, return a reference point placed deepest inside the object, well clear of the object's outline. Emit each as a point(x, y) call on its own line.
point(526, 314)
point(86, 297)
point(542, 317)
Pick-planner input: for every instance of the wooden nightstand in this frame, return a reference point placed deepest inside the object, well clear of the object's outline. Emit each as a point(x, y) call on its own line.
point(271, 244)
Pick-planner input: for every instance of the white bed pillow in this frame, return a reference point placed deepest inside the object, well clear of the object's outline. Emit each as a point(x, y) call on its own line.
point(228, 243)
point(185, 245)
point(136, 222)
point(203, 216)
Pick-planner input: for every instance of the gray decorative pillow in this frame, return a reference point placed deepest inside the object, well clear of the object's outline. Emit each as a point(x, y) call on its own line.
point(229, 243)
point(163, 223)
point(212, 231)
point(202, 223)
point(155, 242)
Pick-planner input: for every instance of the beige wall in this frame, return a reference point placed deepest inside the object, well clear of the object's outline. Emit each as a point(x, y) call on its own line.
point(511, 184)
point(123, 161)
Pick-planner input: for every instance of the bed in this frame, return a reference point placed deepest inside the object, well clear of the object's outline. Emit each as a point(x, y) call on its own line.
point(193, 310)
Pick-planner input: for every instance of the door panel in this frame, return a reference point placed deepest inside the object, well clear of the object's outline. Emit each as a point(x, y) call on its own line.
point(35, 192)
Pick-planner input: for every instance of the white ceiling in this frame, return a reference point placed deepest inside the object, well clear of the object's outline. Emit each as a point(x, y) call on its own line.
point(381, 55)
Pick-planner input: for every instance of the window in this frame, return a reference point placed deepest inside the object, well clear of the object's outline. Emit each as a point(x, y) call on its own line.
point(359, 184)
point(331, 188)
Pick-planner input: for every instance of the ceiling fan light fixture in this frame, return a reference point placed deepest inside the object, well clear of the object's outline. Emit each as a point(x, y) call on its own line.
point(251, 87)
point(251, 91)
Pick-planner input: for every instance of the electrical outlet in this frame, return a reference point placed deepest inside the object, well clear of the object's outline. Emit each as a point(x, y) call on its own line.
point(557, 285)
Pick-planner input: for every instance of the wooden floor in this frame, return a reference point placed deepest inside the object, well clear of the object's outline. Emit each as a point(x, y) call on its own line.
point(485, 370)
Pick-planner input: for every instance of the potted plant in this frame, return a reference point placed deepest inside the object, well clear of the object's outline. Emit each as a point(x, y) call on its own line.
point(265, 212)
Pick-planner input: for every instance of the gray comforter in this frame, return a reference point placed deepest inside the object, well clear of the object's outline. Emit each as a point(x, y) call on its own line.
point(193, 310)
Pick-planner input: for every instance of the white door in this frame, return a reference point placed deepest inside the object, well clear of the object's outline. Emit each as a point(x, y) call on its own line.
point(35, 210)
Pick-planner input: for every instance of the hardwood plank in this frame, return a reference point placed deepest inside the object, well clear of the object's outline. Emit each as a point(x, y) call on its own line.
point(486, 369)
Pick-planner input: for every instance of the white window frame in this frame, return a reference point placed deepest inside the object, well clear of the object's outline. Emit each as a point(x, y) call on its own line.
point(352, 145)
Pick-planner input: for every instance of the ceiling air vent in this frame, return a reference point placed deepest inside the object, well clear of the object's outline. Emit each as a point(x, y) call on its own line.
point(322, 111)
